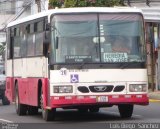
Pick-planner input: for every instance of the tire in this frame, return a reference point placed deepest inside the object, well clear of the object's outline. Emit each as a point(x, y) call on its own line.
point(5, 101)
point(83, 110)
point(94, 109)
point(21, 109)
point(125, 110)
point(47, 114)
point(32, 110)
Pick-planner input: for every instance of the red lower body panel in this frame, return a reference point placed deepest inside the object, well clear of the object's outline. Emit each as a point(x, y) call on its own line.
point(87, 100)
point(28, 93)
point(27, 88)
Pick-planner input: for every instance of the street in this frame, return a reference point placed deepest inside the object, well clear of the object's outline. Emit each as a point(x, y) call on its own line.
point(71, 118)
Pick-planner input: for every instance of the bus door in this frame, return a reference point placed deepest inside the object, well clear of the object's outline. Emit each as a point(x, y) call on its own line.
point(9, 67)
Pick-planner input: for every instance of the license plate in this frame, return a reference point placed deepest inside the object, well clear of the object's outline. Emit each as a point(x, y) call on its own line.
point(102, 99)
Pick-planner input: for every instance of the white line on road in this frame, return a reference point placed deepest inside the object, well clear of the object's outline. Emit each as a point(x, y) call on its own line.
point(8, 121)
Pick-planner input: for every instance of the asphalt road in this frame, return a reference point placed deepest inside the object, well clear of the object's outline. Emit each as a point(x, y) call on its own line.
point(71, 119)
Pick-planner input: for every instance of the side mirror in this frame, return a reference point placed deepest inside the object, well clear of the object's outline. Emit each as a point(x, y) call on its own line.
point(47, 28)
point(46, 37)
point(46, 41)
point(47, 34)
point(3, 72)
point(56, 42)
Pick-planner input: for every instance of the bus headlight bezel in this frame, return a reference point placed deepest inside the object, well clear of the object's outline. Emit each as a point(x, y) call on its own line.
point(63, 89)
point(137, 87)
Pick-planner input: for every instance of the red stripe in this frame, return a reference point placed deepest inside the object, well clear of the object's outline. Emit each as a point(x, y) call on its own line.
point(144, 100)
point(29, 95)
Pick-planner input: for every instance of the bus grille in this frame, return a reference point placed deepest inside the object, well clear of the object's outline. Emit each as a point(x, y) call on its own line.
point(101, 88)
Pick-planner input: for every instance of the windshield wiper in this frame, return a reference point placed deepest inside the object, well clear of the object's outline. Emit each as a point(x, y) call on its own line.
point(125, 65)
point(83, 64)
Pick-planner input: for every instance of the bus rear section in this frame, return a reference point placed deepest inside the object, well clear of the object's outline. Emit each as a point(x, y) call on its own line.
point(95, 59)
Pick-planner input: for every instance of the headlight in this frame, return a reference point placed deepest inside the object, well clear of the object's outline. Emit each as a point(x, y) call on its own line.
point(137, 87)
point(62, 89)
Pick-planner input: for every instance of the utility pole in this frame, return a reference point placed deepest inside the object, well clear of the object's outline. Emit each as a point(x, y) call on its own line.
point(148, 2)
point(38, 2)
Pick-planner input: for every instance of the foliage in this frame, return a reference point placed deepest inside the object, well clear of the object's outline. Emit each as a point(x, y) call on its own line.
point(85, 3)
point(70, 3)
point(2, 50)
point(56, 3)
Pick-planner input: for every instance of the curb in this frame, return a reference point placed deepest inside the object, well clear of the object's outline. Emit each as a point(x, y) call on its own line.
point(154, 100)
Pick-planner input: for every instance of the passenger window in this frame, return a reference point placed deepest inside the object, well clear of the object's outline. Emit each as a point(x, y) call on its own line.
point(30, 40)
point(16, 42)
point(39, 38)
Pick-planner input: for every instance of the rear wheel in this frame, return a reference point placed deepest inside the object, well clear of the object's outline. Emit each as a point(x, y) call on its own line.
point(21, 109)
point(32, 110)
point(94, 109)
point(5, 101)
point(47, 114)
point(125, 110)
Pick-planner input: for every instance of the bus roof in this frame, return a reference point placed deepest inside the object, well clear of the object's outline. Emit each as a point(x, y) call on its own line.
point(77, 10)
point(28, 18)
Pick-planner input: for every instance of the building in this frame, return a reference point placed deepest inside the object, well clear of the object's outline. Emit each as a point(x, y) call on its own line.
point(15, 9)
point(7, 12)
point(30, 7)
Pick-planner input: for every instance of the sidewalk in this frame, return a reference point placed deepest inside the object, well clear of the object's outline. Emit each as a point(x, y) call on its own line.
point(154, 96)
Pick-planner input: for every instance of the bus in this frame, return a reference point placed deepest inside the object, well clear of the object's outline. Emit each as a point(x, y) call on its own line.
point(63, 58)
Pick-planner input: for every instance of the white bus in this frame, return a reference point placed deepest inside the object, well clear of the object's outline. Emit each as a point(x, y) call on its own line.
point(65, 58)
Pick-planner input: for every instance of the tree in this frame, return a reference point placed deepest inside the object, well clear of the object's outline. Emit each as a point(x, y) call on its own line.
point(38, 2)
point(56, 3)
point(85, 3)
point(70, 3)
point(2, 50)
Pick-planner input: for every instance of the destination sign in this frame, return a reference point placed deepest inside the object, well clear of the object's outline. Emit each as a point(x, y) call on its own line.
point(115, 57)
point(77, 58)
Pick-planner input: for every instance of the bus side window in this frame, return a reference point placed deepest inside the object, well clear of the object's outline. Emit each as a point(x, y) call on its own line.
point(9, 43)
point(39, 28)
point(30, 40)
point(23, 37)
point(16, 42)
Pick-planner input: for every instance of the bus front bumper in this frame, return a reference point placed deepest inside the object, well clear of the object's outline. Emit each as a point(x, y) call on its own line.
point(67, 101)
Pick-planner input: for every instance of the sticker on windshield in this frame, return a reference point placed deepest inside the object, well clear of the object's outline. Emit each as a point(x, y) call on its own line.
point(74, 78)
point(78, 58)
point(115, 57)
point(63, 71)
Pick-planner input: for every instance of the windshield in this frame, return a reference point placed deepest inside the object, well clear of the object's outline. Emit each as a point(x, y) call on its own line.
point(97, 38)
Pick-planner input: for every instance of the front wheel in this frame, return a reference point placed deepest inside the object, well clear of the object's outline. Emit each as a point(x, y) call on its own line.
point(125, 110)
point(83, 110)
point(94, 109)
point(47, 114)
